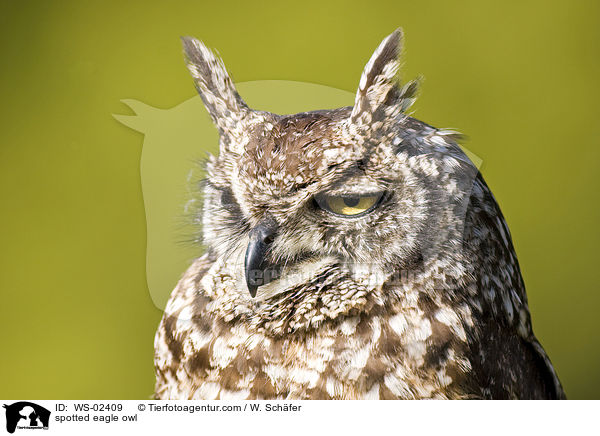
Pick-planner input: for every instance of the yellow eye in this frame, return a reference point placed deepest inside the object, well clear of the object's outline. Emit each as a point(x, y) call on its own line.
point(348, 205)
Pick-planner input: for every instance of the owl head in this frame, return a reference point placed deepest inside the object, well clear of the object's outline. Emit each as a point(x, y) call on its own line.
point(354, 189)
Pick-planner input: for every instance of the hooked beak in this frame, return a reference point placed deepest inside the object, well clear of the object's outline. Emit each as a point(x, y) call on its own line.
point(257, 268)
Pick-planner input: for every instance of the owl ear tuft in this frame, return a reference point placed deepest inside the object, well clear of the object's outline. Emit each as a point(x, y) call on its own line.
point(214, 85)
point(379, 84)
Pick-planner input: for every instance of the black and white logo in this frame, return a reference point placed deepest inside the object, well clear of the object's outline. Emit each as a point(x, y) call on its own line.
point(26, 415)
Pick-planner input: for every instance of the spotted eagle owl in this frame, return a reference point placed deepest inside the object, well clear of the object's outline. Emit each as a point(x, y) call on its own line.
point(354, 253)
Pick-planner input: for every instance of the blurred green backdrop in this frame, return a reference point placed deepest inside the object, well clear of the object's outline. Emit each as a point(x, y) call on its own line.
point(77, 321)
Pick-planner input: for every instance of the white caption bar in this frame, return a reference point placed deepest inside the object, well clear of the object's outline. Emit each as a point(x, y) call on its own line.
point(262, 418)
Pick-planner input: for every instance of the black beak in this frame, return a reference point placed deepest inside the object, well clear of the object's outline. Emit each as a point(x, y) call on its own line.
point(258, 270)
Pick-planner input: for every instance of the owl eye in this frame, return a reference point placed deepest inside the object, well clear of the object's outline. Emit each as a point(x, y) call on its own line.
point(348, 205)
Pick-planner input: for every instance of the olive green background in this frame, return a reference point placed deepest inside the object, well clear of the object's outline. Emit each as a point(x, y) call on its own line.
point(76, 318)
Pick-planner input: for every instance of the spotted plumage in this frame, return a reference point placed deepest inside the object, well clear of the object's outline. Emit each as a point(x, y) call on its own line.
point(304, 293)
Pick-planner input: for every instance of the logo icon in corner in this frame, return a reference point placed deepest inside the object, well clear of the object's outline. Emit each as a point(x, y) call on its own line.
point(26, 415)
